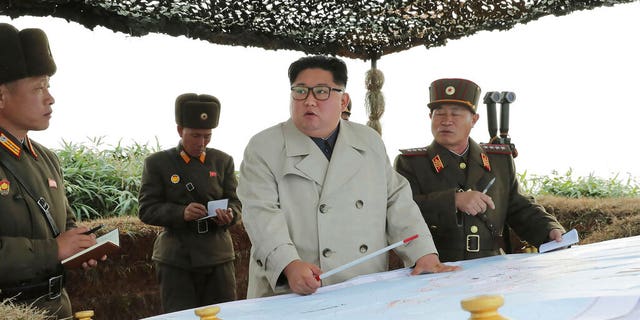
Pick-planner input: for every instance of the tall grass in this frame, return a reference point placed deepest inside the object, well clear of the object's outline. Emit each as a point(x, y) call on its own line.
point(568, 186)
point(102, 180)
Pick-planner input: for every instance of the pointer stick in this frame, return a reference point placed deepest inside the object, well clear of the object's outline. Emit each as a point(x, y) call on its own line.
point(365, 258)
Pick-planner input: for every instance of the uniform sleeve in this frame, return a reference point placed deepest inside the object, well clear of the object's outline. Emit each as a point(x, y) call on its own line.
point(404, 219)
point(262, 216)
point(438, 208)
point(154, 208)
point(230, 184)
point(527, 218)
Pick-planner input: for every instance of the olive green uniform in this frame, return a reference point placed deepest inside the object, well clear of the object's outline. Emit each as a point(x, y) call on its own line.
point(195, 266)
point(28, 250)
point(436, 174)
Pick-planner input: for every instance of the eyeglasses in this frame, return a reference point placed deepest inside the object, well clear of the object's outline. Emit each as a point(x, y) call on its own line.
point(319, 92)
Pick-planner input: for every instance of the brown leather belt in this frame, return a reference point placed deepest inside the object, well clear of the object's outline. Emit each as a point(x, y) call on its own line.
point(51, 288)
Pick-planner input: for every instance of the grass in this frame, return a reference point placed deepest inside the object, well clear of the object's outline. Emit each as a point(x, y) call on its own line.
point(103, 181)
point(11, 311)
point(569, 186)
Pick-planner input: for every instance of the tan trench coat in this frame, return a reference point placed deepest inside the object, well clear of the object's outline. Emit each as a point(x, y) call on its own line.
point(298, 205)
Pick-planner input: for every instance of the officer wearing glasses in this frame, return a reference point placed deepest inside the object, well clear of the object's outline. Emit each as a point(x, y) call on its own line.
point(319, 192)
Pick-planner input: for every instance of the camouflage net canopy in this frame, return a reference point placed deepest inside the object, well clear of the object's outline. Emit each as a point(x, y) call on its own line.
point(362, 29)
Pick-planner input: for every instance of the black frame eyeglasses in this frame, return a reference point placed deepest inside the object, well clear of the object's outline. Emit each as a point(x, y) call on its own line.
point(321, 93)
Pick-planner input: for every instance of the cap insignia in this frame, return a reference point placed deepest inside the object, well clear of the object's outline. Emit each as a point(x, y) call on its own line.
point(450, 90)
point(204, 116)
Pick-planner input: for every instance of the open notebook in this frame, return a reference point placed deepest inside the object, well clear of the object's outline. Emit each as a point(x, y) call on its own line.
point(105, 244)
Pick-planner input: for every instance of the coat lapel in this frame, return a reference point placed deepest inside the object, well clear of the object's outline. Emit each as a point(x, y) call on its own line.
point(304, 158)
point(478, 175)
point(346, 160)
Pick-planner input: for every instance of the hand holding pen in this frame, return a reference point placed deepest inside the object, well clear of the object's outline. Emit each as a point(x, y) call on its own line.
point(474, 202)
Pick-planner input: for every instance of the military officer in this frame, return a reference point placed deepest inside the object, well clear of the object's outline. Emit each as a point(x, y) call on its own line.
point(37, 226)
point(193, 255)
point(467, 192)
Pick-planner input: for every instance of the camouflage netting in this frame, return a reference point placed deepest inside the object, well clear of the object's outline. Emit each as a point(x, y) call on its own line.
point(363, 29)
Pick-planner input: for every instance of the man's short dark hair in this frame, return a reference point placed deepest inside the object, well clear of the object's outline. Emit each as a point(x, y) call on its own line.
point(334, 65)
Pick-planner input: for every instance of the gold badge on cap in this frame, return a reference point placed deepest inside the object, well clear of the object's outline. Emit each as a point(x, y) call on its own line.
point(175, 178)
point(204, 116)
point(4, 187)
point(450, 90)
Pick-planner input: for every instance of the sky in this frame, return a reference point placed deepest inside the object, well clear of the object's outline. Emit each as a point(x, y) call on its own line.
point(575, 78)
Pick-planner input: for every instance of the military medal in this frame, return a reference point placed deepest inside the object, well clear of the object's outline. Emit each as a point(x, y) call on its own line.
point(175, 178)
point(4, 187)
point(437, 163)
point(213, 174)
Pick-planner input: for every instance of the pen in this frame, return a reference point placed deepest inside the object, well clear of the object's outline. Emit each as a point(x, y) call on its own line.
point(483, 216)
point(367, 257)
point(94, 229)
point(491, 182)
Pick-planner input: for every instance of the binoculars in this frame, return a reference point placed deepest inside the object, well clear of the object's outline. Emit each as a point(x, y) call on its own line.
point(505, 98)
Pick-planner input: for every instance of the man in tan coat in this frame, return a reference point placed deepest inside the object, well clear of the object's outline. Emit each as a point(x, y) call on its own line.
point(319, 192)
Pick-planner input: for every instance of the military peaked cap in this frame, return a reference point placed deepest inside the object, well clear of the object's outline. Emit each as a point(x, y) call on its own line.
point(454, 91)
point(197, 111)
point(24, 54)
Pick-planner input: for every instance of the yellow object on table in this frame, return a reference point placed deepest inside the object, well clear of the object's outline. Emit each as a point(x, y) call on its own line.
point(484, 307)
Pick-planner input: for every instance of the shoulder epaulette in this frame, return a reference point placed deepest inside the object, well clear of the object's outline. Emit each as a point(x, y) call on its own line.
point(414, 151)
point(493, 148)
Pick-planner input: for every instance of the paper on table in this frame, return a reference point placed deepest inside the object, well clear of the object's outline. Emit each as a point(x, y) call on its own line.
point(105, 244)
point(213, 205)
point(568, 239)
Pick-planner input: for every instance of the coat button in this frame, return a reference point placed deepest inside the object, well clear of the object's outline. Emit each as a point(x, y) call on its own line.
point(327, 253)
point(363, 248)
point(323, 208)
point(359, 204)
point(259, 263)
point(474, 229)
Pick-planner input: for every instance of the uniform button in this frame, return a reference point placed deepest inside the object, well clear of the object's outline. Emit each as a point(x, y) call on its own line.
point(474, 229)
point(259, 263)
point(327, 253)
point(463, 165)
point(323, 208)
point(359, 204)
point(363, 248)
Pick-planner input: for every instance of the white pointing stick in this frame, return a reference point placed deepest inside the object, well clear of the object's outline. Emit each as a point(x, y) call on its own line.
point(365, 258)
